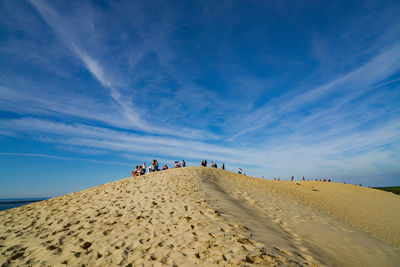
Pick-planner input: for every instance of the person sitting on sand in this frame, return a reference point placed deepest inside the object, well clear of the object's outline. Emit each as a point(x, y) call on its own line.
point(183, 163)
point(152, 168)
point(223, 166)
point(165, 167)
point(215, 165)
point(144, 167)
point(240, 171)
point(155, 164)
point(142, 170)
point(291, 179)
point(177, 164)
point(212, 164)
point(136, 171)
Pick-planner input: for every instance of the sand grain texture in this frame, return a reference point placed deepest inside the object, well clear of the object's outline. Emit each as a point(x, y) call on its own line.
point(208, 217)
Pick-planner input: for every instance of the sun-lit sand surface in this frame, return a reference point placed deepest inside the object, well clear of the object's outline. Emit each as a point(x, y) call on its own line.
point(208, 217)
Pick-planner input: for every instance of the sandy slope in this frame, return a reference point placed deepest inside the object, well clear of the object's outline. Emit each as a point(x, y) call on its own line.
point(207, 217)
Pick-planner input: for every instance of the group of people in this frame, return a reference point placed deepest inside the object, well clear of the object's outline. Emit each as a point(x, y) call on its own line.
point(303, 179)
point(213, 165)
point(154, 166)
point(141, 169)
point(325, 180)
point(178, 164)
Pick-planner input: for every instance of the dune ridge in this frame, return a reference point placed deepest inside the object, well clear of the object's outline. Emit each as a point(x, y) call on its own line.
point(201, 216)
point(370, 210)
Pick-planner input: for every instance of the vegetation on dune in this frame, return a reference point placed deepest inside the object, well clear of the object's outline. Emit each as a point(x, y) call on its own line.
point(393, 189)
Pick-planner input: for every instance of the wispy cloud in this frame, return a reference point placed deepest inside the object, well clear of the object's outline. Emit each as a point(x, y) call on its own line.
point(82, 38)
point(364, 79)
point(80, 135)
point(62, 158)
point(67, 36)
point(281, 158)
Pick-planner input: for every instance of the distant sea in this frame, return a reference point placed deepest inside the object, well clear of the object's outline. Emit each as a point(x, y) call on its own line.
point(9, 203)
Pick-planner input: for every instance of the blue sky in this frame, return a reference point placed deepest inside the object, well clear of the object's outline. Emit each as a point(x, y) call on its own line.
point(88, 89)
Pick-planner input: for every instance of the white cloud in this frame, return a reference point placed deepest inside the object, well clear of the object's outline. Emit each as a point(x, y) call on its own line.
point(67, 36)
point(364, 79)
point(358, 153)
point(62, 158)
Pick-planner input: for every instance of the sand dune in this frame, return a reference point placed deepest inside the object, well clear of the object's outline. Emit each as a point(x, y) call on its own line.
point(209, 217)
